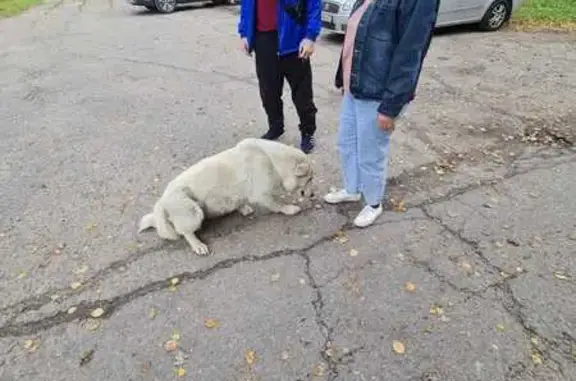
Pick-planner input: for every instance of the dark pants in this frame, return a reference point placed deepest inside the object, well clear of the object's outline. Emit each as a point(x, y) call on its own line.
point(271, 70)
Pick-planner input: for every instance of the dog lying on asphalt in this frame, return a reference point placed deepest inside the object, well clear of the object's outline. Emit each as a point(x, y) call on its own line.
point(254, 172)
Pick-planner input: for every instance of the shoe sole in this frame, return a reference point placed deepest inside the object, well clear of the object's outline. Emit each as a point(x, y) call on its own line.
point(342, 202)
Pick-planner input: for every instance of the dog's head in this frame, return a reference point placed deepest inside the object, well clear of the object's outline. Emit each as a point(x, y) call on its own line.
point(302, 182)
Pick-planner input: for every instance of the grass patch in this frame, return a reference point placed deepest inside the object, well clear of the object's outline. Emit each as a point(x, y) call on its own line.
point(13, 7)
point(546, 14)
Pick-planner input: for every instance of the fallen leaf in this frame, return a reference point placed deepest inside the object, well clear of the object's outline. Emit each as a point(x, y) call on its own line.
point(211, 323)
point(466, 266)
point(250, 356)
point(398, 206)
point(410, 287)
point(175, 335)
point(398, 347)
point(86, 357)
point(174, 281)
point(318, 370)
point(275, 277)
point(500, 328)
point(31, 345)
point(436, 310)
point(80, 270)
point(179, 359)
point(285, 355)
point(536, 358)
point(91, 227)
point(96, 313)
point(170, 345)
point(341, 237)
point(146, 366)
point(71, 310)
point(534, 340)
point(559, 275)
point(22, 274)
point(92, 324)
point(180, 372)
point(152, 314)
point(75, 285)
point(353, 253)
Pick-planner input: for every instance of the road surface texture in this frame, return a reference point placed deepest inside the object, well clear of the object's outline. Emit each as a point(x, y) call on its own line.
point(469, 275)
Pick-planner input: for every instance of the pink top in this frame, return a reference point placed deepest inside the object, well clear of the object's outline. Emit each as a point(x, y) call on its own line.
point(348, 49)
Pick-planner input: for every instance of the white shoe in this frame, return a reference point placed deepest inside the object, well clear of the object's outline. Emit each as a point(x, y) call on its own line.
point(340, 196)
point(367, 216)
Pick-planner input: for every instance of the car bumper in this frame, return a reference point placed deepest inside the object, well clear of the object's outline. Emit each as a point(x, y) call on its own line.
point(149, 3)
point(334, 22)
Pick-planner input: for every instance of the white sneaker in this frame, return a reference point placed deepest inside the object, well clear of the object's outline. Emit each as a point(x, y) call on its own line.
point(340, 196)
point(367, 216)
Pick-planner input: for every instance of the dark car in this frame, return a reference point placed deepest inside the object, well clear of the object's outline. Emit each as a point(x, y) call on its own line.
point(169, 6)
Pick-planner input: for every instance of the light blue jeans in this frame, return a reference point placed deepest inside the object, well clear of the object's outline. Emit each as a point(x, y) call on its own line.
point(363, 149)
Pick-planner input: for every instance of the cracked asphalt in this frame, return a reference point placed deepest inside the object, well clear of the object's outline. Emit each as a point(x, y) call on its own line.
point(472, 267)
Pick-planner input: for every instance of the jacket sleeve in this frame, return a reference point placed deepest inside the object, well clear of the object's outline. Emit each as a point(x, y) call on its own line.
point(242, 19)
point(416, 20)
point(313, 9)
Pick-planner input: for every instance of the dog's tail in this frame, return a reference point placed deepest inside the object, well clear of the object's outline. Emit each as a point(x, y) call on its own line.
point(157, 219)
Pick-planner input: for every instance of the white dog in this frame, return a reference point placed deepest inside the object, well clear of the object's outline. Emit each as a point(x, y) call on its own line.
point(254, 172)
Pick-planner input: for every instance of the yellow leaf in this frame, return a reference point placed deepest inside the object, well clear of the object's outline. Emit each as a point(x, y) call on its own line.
point(318, 370)
point(96, 313)
point(211, 323)
point(250, 356)
point(398, 347)
point(176, 336)
point(170, 345)
point(91, 227)
point(71, 310)
point(22, 274)
point(560, 276)
point(92, 324)
point(31, 345)
point(353, 252)
point(535, 340)
point(536, 358)
point(436, 310)
point(180, 372)
point(172, 288)
point(80, 270)
point(174, 281)
point(153, 313)
point(75, 285)
point(410, 287)
point(341, 237)
point(500, 328)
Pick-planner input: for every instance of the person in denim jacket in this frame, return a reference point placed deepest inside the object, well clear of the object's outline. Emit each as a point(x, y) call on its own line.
point(384, 47)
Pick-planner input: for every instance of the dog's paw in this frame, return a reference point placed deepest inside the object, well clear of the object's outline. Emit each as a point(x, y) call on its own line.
point(290, 210)
point(245, 210)
point(201, 249)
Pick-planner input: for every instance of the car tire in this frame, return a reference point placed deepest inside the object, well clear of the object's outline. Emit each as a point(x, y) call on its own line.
point(151, 8)
point(165, 6)
point(219, 2)
point(496, 16)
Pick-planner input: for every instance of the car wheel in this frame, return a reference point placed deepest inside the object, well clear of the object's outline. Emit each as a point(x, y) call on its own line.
point(496, 16)
point(165, 6)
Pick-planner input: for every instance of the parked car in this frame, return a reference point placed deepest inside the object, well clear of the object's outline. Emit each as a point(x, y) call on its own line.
point(169, 6)
point(489, 15)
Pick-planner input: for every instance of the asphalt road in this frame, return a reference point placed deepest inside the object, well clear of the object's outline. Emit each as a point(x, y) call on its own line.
point(470, 275)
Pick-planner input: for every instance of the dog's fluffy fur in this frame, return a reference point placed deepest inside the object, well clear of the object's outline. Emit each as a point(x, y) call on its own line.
point(254, 172)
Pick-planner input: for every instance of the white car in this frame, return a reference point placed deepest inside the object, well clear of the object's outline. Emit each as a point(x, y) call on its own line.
point(490, 15)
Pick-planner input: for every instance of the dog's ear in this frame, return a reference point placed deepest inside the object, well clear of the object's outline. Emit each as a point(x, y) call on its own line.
point(302, 169)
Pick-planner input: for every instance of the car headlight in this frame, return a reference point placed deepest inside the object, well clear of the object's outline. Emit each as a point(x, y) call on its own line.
point(347, 5)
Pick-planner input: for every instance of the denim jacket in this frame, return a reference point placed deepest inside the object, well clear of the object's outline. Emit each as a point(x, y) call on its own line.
point(391, 42)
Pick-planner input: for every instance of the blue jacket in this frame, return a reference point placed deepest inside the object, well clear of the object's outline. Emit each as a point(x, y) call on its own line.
point(290, 33)
point(391, 42)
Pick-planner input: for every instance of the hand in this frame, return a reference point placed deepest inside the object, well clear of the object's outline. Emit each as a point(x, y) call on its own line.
point(244, 45)
point(306, 49)
point(385, 123)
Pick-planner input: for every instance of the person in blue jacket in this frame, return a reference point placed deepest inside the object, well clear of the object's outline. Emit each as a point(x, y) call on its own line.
point(384, 48)
point(282, 34)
